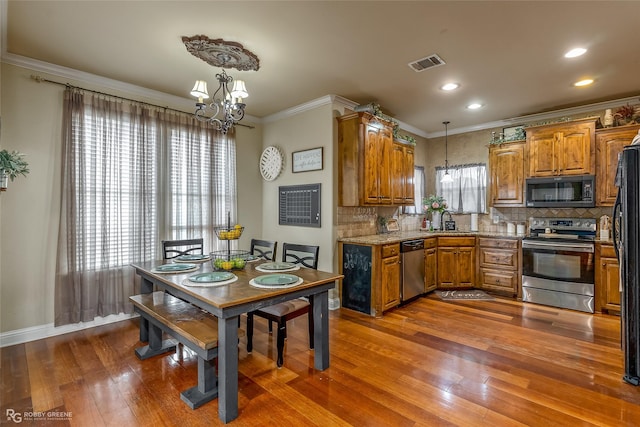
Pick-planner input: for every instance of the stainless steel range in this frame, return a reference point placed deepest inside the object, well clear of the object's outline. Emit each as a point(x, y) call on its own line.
point(558, 263)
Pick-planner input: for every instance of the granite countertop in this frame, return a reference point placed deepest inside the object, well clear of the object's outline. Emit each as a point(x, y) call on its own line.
point(400, 236)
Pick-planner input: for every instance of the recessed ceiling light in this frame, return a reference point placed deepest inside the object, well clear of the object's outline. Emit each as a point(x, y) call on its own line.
point(585, 82)
point(474, 106)
point(450, 86)
point(575, 52)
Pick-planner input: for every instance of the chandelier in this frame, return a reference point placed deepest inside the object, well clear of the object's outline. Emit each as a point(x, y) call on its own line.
point(227, 106)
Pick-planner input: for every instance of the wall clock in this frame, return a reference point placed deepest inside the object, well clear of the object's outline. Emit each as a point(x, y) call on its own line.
point(271, 163)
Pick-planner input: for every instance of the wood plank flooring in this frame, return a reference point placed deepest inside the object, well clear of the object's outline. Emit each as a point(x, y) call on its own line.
point(429, 363)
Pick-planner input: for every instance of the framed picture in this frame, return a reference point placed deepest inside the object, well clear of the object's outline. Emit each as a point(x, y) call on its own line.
point(513, 133)
point(307, 160)
point(392, 225)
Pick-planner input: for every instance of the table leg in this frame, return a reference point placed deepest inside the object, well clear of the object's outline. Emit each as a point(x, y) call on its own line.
point(146, 287)
point(321, 330)
point(228, 368)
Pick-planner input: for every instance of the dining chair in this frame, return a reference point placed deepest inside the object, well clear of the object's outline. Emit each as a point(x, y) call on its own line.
point(264, 248)
point(175, 248)
point(306, 256)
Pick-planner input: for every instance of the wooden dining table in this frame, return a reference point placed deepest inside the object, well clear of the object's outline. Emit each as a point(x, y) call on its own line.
point(229, 301)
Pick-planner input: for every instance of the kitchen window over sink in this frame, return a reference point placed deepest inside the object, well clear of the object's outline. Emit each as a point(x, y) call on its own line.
point(467, 193)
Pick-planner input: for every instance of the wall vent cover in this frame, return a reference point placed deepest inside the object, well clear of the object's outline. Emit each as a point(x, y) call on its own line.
point(427, 62)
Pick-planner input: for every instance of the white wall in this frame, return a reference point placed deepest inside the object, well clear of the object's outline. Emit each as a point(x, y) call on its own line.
point(308, 129)
point(29, 209)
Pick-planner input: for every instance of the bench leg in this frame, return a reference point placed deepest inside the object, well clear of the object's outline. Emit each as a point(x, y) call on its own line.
point(207, 388)
point(156, 345)
point(146, 287)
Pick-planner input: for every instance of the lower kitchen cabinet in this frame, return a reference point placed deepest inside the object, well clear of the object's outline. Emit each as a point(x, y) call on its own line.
point(430, 264)
point(500, 265)
point(456, 262)
point(607, 279)
point(390, 276)
point(371, 282)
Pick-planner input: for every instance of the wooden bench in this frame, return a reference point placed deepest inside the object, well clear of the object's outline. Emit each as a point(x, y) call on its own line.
point(189, 325)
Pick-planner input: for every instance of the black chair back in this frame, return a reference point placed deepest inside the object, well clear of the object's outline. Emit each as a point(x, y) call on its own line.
point(305, 255)
point(175, 248)
point(264, 248)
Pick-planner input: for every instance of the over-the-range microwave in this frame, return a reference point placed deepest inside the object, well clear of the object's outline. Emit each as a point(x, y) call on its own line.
point(561, 192)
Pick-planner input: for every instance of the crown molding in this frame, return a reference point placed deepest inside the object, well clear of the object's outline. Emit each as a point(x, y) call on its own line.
point(131, 90)
point(187, 104)
point(548, 115)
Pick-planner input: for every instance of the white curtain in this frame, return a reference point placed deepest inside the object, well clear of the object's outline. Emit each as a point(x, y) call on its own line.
point(467, 193)
point(132, 176)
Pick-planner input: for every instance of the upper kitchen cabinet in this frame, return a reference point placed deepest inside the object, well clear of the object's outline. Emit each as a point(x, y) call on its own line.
point(372, 169)
point(609, 145)
point(506, 174)
point(402, 185)
point(562, 148)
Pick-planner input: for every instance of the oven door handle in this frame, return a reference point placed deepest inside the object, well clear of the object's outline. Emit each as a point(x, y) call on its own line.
point(575, 247)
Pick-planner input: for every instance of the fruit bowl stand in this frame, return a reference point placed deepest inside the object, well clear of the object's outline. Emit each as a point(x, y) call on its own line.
point(229, 259)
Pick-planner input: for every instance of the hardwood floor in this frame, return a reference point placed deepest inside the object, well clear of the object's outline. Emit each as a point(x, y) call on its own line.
point(430, 363)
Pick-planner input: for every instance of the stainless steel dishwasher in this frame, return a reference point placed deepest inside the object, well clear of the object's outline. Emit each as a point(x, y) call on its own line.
point(412, 280)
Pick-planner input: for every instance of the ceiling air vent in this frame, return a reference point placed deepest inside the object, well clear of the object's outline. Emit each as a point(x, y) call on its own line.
point(428, 62)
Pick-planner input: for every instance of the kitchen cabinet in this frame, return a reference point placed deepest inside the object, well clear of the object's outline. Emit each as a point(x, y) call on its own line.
point(430, 264)
point(390, 276)
point(607, 277)
point(456, 262)
point(609, 145)
point(500, 267)
point(562, 148)
point(371, 282)
point(402, 174)
point(365, 150)
point(506, 174)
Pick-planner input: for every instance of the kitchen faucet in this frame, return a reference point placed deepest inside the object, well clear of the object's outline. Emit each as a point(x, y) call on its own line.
point(442, 219)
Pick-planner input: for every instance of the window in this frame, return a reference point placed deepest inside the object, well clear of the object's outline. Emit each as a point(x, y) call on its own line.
point(468, 191)
point(133, 175)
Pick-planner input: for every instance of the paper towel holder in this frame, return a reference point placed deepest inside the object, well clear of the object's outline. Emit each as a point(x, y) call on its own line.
point(474, 222)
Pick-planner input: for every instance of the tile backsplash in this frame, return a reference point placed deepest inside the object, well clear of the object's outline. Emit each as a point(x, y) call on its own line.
point(362, 221)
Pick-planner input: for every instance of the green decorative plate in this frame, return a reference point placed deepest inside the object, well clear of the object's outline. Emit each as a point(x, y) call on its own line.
point(192, 258)
point(211, 277)
point(277, 266)
point(276, 280)
point(174, 268)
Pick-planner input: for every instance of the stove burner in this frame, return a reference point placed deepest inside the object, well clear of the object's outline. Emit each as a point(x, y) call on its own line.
point(562, 229)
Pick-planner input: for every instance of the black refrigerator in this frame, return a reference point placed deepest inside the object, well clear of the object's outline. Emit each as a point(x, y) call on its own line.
point(626, 237)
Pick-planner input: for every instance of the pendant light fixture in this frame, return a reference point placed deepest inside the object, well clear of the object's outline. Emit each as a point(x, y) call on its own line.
point(446, 178)
point(227, 107)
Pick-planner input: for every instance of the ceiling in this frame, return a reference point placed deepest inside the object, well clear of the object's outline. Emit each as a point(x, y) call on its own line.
point(506, 55)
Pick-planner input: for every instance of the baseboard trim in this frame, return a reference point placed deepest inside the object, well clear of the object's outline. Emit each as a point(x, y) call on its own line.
point(20, 336)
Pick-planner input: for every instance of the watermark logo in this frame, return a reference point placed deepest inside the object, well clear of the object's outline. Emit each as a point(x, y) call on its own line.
point(14, 416)
point(18, 417)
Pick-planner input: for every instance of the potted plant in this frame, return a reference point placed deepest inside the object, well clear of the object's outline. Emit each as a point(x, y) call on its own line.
point(382, 224)
point(435, 205)
point(624, 115)
point(12, 164)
